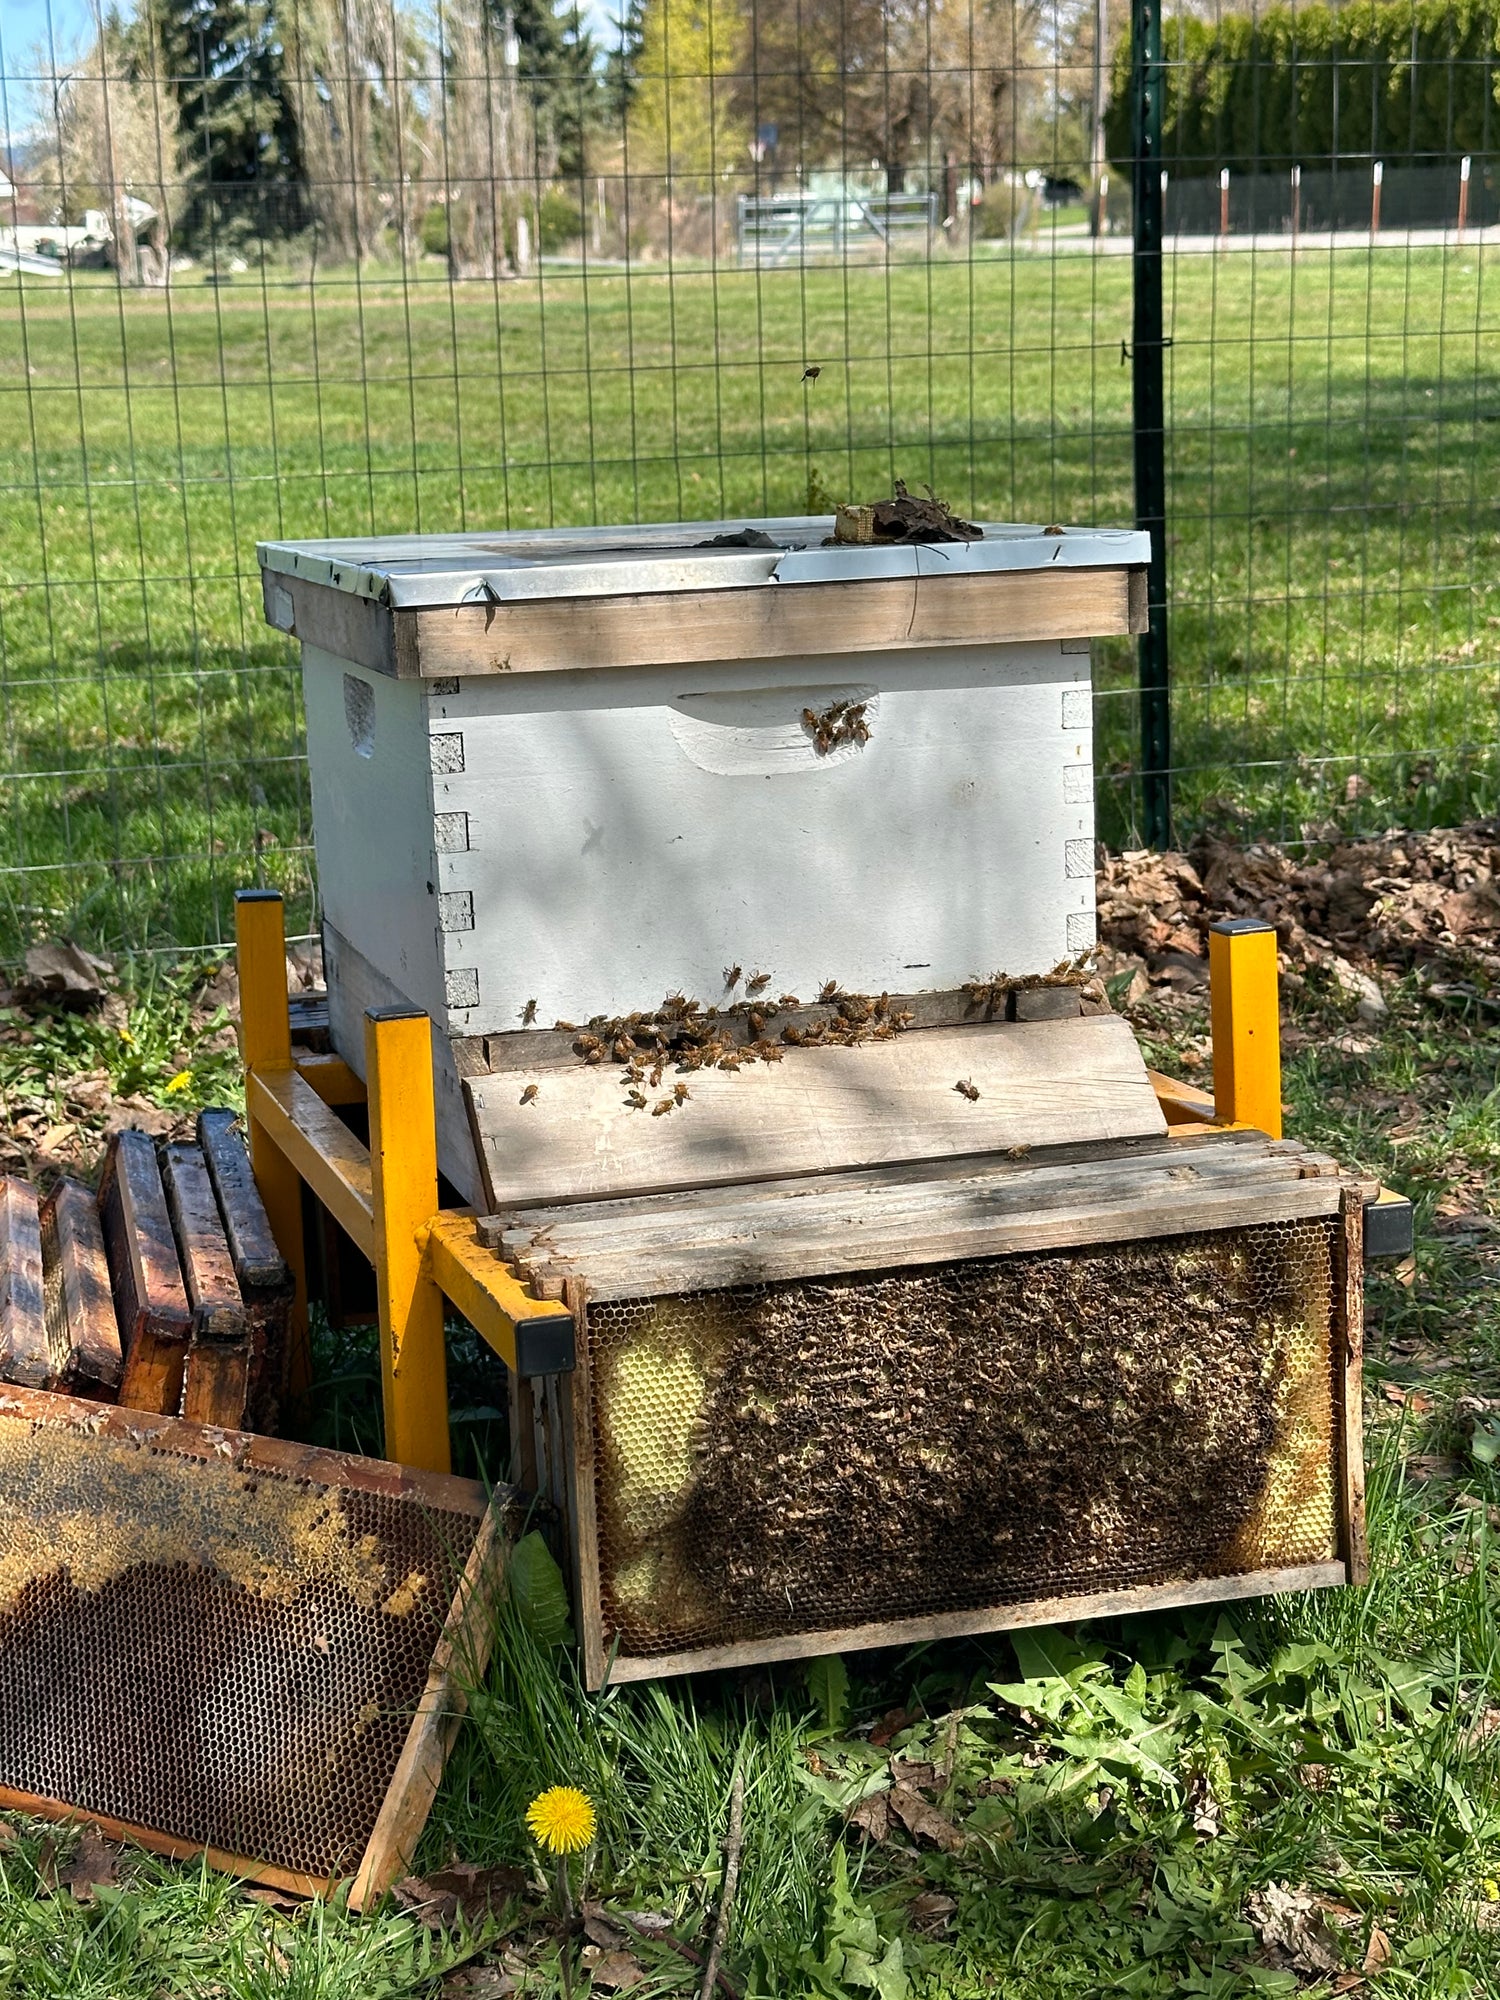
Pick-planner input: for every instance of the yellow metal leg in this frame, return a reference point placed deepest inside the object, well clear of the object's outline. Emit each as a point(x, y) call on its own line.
point(1246, 1016)
point(266, 1045)
point(403, 1163)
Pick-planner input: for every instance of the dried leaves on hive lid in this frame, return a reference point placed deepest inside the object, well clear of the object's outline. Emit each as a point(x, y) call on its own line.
point(906, 518)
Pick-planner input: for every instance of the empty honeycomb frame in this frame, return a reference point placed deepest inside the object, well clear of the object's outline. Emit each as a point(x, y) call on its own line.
point(220, 1644)
point(1160, 1413)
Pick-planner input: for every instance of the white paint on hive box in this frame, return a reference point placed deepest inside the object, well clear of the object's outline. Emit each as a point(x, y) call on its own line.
point(599, 840)
point(642, 831)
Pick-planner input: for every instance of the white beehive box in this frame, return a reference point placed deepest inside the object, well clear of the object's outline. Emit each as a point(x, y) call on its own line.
point(559, 775)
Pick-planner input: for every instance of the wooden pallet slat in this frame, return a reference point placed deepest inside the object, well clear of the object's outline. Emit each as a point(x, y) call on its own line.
point(24, 1353)
point(905, 1216)
point(151, 1306)
point(265, 1281)
point(216, 1385)
point(82, 1331)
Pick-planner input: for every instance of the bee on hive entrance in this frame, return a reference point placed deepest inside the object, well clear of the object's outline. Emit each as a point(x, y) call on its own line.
point(528, 1014)
point(531, 1093)
point(967, 1089)
point(757, 982)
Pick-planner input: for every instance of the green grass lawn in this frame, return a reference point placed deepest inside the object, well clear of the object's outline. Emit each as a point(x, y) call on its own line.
point(1334, 463)
point(1116, 1796)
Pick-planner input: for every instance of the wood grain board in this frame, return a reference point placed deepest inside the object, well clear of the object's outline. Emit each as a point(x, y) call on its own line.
point(24, 1352)
point(82, 1332)
point(817, 1111)
point(217, 1382)
point(265, 1282)
point(151, 1307)
point(776, 621)
point(964, 1624)
point(900, 1217)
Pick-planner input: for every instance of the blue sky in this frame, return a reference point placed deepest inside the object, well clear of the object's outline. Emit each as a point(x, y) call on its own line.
point(23, 23)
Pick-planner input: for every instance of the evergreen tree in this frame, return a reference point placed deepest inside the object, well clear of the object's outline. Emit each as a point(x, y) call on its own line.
point(223, 65)
point(559, 72)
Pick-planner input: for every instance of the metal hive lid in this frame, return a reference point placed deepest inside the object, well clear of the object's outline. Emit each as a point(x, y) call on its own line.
point(412, 571)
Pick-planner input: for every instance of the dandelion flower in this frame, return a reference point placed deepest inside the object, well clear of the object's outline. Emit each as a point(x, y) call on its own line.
point(182, 1081)
point(561, 1820)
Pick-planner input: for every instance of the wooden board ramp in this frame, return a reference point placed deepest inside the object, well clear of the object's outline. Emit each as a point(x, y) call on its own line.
point(819, 1111)
point(898, 1217)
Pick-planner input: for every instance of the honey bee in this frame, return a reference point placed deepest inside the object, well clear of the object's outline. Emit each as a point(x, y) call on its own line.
point(809, 719)
point(565, 1027)
point(528, 1013)
point(796, 1036)
point(788, 1000)
point(531, 1093)
point(757, 1021)
point(1016, 1152)
point(656, 1073)
point(967, 1089)
point(635, 1100)
point(661, 1107)
point(586, 1045)
point(733, 974)
point(829, 990)
point(681, 1092)
point(757, 983)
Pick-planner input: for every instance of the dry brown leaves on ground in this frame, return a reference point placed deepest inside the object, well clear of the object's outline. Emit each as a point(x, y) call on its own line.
point(460, 1892)
point(1404, 900)
point(903, 1804)
point(1308, 1932)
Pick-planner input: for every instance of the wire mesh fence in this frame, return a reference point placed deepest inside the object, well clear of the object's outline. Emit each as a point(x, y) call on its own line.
point(338, 266)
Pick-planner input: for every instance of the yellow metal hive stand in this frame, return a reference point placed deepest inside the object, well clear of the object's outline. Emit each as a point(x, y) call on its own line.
point(386, 1199)
point(384, 1195)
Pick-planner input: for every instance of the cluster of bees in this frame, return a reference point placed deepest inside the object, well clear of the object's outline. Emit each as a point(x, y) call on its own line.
point(840, 722)
point(990, 993)
point(685, 1036)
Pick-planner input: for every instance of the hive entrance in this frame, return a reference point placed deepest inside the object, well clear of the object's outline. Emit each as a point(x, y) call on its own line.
point(812, 1455)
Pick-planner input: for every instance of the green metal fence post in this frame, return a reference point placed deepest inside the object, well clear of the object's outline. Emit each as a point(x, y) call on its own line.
point(1148, 79)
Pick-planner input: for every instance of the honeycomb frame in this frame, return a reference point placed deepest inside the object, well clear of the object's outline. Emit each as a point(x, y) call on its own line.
point(1304, 1529)
point(222, 1644)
